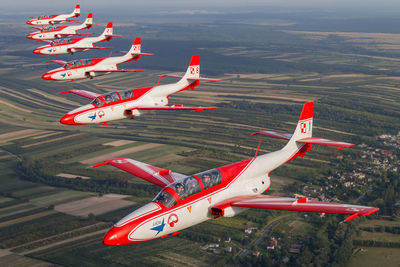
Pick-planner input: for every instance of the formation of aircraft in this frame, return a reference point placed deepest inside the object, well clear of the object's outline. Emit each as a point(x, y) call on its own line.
point(71, 46)
point(54, 32)
point(55, 19)
point(226, 191)
point(184, 200)
point(132, 102)
point(89, 68)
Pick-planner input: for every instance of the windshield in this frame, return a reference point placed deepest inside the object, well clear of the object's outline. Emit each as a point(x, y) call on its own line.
point(210, 178)
point(67, 66)
point(166, 199)
point(75, 63)
point(186, 187)
point(111, 97)
point(126, 94)
point(98, 102)
point(47, 28)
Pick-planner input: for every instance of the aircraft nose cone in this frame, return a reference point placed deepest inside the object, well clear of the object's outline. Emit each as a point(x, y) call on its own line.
point(46, 76)
point(112, 238)
point(68, 119)
point(36, 51)
point(29, 36)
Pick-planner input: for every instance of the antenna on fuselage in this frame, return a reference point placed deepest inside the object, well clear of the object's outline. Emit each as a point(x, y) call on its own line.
point(259, 143)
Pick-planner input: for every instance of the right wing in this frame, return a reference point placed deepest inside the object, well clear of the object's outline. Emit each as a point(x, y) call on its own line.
point(83, 93)
point(152, 174)
point(117, 70)
point(293, 204)
point(174, 107)
point(94, 47)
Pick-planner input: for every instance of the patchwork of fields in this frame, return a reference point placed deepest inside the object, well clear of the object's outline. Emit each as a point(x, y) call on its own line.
point(60, 215)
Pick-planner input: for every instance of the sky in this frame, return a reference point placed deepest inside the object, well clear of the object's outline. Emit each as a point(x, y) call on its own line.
point(148, 7)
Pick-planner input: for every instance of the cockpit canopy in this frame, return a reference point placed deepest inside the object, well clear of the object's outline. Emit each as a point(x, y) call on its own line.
point(189, 186)
point(112, 97)
point(49, 28)
point(77, 63)
point(57, 42)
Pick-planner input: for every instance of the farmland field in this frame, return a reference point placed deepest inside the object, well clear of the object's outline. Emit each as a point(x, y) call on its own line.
point(55, 208)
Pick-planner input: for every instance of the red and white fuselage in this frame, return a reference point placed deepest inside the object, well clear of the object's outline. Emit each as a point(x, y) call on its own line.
point(55, 19)
point(222, 192)
point(132, 102)
point(54, 32)
point(71, 46)
point(89, 68)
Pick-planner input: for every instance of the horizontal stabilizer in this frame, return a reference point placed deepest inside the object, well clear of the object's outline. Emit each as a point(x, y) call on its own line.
point(278, 135)
point(326, 142)
point(82, 93)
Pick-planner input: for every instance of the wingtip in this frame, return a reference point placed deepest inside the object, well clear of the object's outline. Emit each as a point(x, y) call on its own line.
point(100, 164)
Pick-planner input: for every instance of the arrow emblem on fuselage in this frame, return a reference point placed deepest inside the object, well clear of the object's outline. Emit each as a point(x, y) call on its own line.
point(159, 228)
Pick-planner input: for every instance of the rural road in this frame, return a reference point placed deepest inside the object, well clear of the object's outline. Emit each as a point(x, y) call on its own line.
point(261, 237)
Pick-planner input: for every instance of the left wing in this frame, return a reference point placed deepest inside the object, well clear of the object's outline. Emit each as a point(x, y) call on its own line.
point(293, 204)
point(60, 62)
point(83, 93)
point(175, 107)
point(152, 174)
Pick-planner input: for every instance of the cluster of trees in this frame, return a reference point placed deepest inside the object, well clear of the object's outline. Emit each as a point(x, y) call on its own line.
point(32, 171)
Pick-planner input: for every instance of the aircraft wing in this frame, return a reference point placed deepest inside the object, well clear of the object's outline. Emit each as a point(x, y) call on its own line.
point(117, 70)
point(152, 174)
point(60, 62)
point(83, 93)
point(293, 204)
point(94, 47)
point(174, 107)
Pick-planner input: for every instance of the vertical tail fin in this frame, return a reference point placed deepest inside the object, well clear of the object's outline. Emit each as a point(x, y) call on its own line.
point(193, 71)
point(136, 48)
point(77, 10)
point(304, 125)
point(89, 20)
point(108, 32)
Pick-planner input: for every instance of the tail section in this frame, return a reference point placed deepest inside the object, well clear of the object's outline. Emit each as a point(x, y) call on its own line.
point(136, 50)
point(89, 21)
point(193, 71)
point(77, 10)
point(108, 32)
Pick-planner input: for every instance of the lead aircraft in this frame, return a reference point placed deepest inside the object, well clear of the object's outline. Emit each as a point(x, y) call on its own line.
point(222, 192)
point(90, 68)
point(53, 32)
point(132, 102)
point(55, 19)
point(71, 46)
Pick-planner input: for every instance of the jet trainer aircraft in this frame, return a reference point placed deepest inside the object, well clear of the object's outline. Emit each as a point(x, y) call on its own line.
point(89, 68)
point(222, 192)
point(132, 102)
point(55, 19)
point(70, 46)
point(53, 32)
